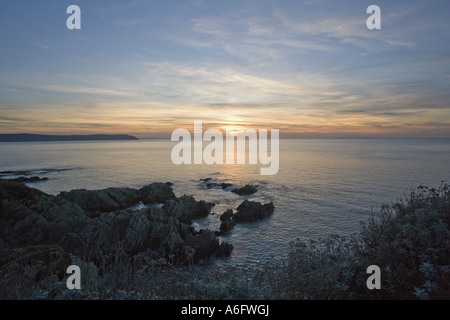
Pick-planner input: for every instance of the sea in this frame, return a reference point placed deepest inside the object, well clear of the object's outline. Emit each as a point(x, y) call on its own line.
point(323, 187)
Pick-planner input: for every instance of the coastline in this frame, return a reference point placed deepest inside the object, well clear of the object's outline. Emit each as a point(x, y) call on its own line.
point(155, 253)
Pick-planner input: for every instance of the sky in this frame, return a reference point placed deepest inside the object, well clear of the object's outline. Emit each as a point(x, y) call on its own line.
point(311, 68)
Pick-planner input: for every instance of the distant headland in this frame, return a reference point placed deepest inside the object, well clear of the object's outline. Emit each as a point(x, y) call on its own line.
point(25, 137)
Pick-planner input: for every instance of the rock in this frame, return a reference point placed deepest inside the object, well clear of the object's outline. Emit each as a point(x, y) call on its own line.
point(250, 211)
point(226, 215)
point(136, 232)
point(246, 190)
point(205, 244)
point(172, 243)
point(29, 217)
point(225, 250)
point(156, 193)
point(227, 222)
point(106, 200)
point(225, 185)
point(17, 192)
point(29, 179)
point(227, 226)
point(188, 206)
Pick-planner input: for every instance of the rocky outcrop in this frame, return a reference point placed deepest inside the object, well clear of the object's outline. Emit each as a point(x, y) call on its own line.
point(31, 217)
point(242, 191)
point(227, 222)
point(226, 226)
point(29, 179)
point(193, 209)
point(246, 190)
point(156, 193)
point(206, 245)
point(17, 192)
point(110, 199)
point(250, 211)
point(113, 199)
point(227, 215)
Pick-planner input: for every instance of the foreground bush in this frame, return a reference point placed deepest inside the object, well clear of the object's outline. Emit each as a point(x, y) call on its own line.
point(409, 241)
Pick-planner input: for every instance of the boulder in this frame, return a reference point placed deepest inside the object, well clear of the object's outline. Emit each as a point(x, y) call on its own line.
point(224, 250)
point(226, 226)
point(205, 244)
point(246, 190)
point(226, 215)
point(250, 211)
point(225, 185)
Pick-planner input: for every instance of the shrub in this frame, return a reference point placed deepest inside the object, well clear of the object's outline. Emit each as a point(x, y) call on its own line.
point(408, 240)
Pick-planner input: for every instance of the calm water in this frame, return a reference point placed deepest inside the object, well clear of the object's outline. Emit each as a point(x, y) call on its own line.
point(322, 187)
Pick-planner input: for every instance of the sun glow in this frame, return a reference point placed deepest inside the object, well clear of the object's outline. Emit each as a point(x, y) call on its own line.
point(233, 129)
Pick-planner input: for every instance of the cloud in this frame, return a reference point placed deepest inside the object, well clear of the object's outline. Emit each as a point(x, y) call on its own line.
point(57, 52)
point(68, 89)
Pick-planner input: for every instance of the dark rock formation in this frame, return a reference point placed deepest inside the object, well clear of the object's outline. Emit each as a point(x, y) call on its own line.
point(113, 199)
point(225, 250)
point(194, 209)
point(156, 193)
point(226, 215)
point(225, 185)
point(226, 226)
point(29, 217)
point(227, 222)
point(246, 190)
point(205, 244)
point(106, 200)
point(29, 179)
point(250, 211)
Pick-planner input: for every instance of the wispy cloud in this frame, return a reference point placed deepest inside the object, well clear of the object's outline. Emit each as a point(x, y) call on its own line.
point(304, 67)
point(57, 52)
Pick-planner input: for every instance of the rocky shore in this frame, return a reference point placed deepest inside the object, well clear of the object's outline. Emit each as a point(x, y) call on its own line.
point(87, 225)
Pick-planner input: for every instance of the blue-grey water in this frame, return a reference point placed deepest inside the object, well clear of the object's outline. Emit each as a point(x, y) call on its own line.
point(322, 187)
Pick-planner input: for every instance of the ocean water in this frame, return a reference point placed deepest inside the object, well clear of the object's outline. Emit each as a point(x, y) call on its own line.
point(322, 187)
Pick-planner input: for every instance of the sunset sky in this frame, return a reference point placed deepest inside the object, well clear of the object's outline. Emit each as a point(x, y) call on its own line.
point(309, 68)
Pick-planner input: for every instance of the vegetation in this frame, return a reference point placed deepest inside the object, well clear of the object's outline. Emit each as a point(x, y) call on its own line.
point(408, 240)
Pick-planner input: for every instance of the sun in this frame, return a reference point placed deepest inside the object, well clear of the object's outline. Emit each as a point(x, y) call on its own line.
point(233, 129)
